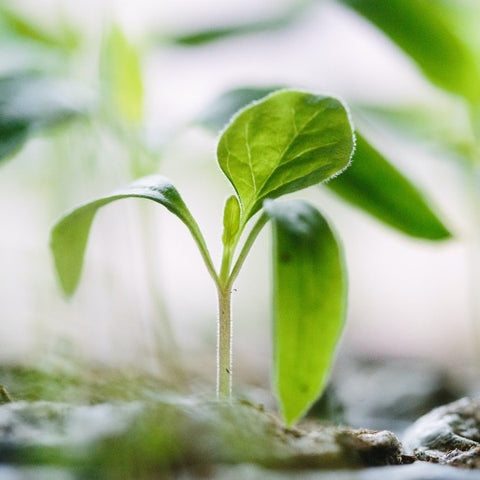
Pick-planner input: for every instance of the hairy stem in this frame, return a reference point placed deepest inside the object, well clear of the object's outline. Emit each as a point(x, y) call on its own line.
point(224, 288)
point(224, 345)
point(252, 236)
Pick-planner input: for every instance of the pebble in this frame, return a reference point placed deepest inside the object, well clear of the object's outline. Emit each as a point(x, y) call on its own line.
point(448, 435)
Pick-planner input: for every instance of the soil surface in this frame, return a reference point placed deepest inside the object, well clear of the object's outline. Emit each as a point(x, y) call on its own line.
point(106, 431)
point(193, 433)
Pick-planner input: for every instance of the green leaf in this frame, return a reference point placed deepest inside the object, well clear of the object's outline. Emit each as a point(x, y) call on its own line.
point(29, 103)
point(309, 303)
point(12, 136)
point(393, 199)
point(375, 186)
point(288, 141)
point(65, 38)
point(444, 125)
point(70, 234)
point(463, 16)
point(121, 71)
point(422, 28)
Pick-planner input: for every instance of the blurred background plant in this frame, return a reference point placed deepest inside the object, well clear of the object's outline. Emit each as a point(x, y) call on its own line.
point(90, 98)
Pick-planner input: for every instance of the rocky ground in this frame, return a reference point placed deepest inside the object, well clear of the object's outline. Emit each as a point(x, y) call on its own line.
point(156, 434)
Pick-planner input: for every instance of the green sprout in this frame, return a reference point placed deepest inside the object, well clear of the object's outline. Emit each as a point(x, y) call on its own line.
point(283, 143)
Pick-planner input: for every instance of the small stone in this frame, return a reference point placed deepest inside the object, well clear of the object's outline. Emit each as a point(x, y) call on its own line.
point(374, 448)
point(448, 435)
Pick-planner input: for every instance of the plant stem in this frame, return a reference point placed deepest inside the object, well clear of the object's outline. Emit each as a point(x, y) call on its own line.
point(252, 236)
point(224, 328)
point(224, 345)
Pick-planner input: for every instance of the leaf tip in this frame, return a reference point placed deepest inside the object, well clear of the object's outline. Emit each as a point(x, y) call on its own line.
point(440, 234)
point(66, 281)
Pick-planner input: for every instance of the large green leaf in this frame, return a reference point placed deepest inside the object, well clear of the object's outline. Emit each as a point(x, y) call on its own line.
point(285, 142)
point(374, 185)
point(370, 183)
point(29, 103)
point(122, 76)
point(309, 303)
point(423, 30)
point(70, 234)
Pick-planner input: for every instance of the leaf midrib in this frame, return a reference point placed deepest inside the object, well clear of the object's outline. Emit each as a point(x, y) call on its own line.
point(281, 156)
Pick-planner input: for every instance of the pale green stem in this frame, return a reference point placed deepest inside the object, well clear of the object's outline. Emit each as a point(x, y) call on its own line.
point(224, 327)
point(224, 345)
point(202, 246)
point(226, 264)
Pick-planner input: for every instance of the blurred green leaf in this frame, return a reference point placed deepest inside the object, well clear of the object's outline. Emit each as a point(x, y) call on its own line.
point(26, 29)
point(375, 186)
point(216, 115)
point(445, 126)
point(422, 29)
point(70, 234)
point(464, 17)
point(286, 142)
point(29, 103)
point(201, 37)
point(121, 72)
point(309, 303)
point(12, 137)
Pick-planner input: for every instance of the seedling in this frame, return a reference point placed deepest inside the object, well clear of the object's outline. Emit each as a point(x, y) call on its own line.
point(288, 141)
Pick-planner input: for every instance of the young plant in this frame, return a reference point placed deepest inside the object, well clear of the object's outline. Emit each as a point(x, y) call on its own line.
point(288, 141)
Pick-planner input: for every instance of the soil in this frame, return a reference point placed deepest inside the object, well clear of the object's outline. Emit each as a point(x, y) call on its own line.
point(86, 429)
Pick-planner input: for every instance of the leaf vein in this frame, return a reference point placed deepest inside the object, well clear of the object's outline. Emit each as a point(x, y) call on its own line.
point(308, 150)
point(290, 143)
